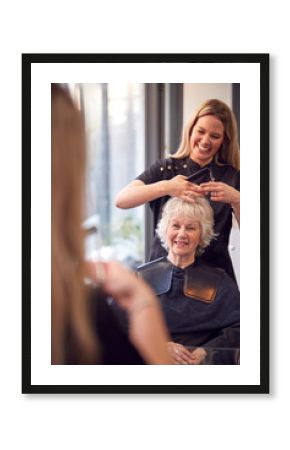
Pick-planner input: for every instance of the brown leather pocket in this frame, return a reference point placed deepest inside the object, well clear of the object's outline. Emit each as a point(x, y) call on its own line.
point(201, 283)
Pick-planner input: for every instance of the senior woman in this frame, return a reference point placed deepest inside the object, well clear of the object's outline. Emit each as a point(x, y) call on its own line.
point(200, 302)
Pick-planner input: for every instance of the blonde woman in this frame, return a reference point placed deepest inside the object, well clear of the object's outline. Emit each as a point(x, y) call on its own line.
point(84, 330)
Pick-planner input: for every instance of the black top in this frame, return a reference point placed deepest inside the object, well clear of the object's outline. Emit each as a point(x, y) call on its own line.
point(114, 343)
point(164, 169)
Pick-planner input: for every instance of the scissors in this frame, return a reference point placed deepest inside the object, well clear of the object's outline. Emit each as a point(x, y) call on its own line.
point(199, 177)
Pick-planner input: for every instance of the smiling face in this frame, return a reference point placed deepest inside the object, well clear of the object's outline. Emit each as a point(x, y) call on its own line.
point(206, 139)
point(183, 236)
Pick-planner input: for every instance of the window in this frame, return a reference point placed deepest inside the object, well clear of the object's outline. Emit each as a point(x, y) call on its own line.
point(114, 118)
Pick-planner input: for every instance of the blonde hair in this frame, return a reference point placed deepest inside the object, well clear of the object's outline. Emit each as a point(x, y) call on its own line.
point(70, 314)
point(200, 211)
point(229, 151)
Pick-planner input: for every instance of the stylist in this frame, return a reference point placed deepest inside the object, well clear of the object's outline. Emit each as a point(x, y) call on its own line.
point(209, 151)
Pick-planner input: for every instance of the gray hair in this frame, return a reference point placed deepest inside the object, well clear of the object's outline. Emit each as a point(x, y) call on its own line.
point(200, 210)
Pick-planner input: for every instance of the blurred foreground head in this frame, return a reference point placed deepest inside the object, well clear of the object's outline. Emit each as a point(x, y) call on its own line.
point(69, 308)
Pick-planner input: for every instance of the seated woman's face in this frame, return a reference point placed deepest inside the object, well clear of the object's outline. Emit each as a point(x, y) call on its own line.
point(183, 236)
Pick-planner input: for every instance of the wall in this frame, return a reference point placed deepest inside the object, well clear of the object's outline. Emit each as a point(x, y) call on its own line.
point(195, 94)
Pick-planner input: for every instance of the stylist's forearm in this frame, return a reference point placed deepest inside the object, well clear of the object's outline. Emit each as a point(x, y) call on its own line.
point(138, 194)
point(148, 333)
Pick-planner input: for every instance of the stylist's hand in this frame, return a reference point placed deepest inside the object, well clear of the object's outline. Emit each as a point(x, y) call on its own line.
point(179, 353)
point(126, 288)
point(180, 187)
point(220, 192)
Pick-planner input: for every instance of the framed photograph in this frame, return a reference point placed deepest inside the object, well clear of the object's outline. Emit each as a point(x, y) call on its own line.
point(161, 91)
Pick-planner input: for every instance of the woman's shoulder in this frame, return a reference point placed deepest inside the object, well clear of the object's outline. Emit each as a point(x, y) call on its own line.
point(216, 279)
point(223, 281)
point(160, 166)
point(170, 163)
point(224, 166)
point(159, 263)
point(227, 173)
point(166, 168)
point(212, 271)
point(157, 274)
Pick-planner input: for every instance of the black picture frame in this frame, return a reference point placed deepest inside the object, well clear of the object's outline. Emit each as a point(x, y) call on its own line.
point(260, 60)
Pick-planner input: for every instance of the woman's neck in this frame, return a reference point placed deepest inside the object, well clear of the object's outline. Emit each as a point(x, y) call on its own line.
point(181, 261)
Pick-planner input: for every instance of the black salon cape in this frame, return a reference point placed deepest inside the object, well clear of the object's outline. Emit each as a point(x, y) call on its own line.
point(115, 347)
point(195, 323)
point(216, 253)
